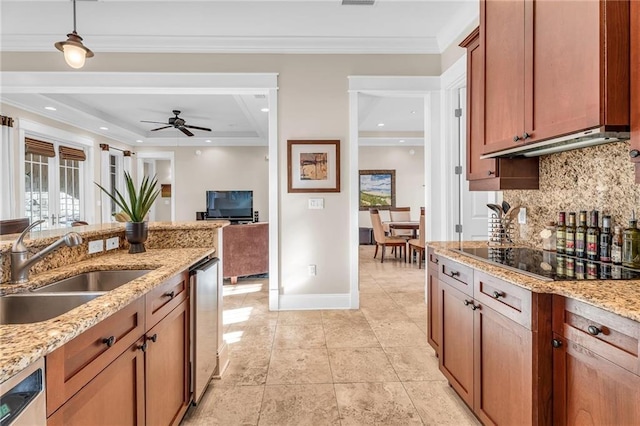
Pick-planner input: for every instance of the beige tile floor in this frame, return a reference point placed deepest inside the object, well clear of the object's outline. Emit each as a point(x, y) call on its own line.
point(370, 366)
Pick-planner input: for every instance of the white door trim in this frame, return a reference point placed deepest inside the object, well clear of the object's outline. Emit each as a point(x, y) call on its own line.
point(158, 155)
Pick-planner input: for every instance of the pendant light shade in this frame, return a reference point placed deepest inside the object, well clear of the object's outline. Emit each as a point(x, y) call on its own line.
point(75, 53)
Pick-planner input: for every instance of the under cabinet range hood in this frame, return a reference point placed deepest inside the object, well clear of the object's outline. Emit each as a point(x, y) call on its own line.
point(583, 139)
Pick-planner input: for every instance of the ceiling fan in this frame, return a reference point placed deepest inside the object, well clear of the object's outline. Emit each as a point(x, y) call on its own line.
point(178, 123)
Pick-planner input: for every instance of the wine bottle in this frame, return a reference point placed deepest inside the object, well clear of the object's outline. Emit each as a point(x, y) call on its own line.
point(631, 244)
point(605, 240)
point(570, 236)
point(581, 235)
point(616, 246)
point(561, 233)
point(593, 237)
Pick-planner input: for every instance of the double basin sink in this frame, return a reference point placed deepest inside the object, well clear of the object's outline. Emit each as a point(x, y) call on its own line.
point(62, 296)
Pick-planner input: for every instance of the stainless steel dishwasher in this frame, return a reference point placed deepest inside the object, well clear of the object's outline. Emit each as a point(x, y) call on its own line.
point(22, 397)
point(204, 324)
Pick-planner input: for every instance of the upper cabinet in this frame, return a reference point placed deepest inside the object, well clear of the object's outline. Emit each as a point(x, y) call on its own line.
point(552, 68)
point(634, 152)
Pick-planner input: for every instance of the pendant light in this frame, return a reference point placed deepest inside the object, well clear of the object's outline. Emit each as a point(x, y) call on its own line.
point(75, 53)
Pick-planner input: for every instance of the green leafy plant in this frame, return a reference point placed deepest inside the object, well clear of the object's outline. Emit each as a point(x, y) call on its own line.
point(140, 200)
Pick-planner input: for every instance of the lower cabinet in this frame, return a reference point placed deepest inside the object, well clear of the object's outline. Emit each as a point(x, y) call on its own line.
point(95, 380)
point(433, 304)
point(596, 362)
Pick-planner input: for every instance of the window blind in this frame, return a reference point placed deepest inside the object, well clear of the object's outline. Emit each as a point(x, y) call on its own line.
point(67, 153)
point(34, 146)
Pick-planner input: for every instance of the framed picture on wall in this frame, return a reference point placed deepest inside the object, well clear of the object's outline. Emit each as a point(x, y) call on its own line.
point(377, 189)
point(313, 165)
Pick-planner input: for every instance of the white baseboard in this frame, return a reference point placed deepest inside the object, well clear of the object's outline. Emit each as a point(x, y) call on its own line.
point(314, 301)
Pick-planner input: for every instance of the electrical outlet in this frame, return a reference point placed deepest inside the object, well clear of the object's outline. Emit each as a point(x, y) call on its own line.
point(96, 246)
point(316, 203)
point(312, 270)
point(522, 216)
point(113, 243)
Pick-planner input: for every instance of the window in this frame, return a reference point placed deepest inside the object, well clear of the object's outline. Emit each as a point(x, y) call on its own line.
point(116, 180)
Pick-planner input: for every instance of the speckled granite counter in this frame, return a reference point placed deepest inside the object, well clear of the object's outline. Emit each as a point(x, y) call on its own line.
point(617, 296)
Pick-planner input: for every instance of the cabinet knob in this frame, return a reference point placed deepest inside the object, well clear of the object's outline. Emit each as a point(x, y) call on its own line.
point(170, 294)
point(467, 302)
point(556, 343)
point(474, 307)
point(143, 347)
point(516, 138)
point(525, 135)
point(437, 260)
point(109, 341)
point(490, 172)
point(455, 273)
point(634, 153)
point(498, 294)
point(153, 338)
point(593, 330)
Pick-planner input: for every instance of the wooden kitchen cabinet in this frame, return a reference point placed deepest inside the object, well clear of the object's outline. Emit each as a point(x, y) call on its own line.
point(490, 174)
point(634, 151)
point(167, 364)
point(552, 69)
point(596, 378)
point(433, 303)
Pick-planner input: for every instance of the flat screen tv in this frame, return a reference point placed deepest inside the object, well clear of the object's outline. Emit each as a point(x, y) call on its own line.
point(236, 206)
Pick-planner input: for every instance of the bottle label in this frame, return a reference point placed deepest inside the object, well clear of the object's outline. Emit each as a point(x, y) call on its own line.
point(560, 241)
point(580, 244)
point(605, 248)
point(570, 242)
point(592, 245)
point(616, 254)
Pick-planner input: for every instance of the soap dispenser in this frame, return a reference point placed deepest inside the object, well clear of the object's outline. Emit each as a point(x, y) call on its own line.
point(631, 244)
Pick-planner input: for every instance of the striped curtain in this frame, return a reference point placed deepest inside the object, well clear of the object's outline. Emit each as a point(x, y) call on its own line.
point(7, 188)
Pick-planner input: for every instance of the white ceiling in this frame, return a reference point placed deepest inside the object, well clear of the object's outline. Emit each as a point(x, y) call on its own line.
point(294, 26)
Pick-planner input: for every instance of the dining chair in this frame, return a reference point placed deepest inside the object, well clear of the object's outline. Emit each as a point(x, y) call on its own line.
point(401, 214)
point(417, 244)
point(383, 240)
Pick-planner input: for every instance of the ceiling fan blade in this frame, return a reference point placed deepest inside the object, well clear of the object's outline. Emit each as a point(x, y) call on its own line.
point(156, 122)
point(160, 128)
point(198, 128)
point(185, 131)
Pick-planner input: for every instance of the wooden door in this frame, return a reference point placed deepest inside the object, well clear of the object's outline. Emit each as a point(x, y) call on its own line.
point(433, 310)
point(503, 369)
point(589, 389)
point(167, 367)
point(502, 32)
point(456, 346)
point(635, 86)
point(113, 397)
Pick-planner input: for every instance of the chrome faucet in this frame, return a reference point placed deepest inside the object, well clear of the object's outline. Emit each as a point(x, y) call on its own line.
point(21, 263)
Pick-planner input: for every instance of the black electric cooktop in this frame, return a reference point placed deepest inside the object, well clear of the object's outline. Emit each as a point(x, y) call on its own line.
point(549, 265)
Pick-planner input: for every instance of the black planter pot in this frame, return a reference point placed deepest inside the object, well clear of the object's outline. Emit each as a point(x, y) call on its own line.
point(136, 234)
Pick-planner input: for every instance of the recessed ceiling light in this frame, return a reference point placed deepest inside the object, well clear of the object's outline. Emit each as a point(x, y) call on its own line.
point(264, 109)
point(104, 128)
point(413, 112)
point(208, 141)
point(139, 140)
point(380, 124)
point(401, 141)
point(50, 108)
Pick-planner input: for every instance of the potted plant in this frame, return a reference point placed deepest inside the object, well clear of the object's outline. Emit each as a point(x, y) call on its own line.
point(135, 209)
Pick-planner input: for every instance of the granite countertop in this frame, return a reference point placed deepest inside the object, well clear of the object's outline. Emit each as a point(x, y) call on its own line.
point(22, 344)
point(621, 297)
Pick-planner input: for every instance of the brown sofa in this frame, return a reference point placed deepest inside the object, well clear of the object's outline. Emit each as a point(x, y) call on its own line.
point(245, 250)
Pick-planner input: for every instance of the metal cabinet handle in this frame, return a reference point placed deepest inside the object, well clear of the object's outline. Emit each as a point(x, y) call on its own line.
point(455, 273)
point(525, 136)
point(516, 138)
point(474, 307)
point(498, 294)
point(467, 302)
point(593, 330)
point(437, 260)
point(634, 153)
point(490, 172)
point(143, 347)
point(170, 294)
point(109, 341)
point(556, 343)
point(153, 338)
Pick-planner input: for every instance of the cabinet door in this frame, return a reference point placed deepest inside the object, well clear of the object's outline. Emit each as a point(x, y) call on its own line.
point(456, 346)
point(588, 389)
point(503, 369)
point(167, 369)
point(113, 397)
point(433, 310)
point(502, 31)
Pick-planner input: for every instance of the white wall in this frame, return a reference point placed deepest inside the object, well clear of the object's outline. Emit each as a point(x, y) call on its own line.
point(409, 175)
point(162, 205)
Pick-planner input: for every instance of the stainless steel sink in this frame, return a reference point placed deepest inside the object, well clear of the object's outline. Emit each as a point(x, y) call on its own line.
point(25, 308)
point(93, 281)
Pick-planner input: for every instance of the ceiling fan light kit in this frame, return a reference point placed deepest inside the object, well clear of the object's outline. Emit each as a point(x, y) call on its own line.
point(75, 53)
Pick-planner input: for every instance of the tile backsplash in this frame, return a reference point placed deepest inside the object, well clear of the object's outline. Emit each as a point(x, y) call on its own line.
point(600, 178)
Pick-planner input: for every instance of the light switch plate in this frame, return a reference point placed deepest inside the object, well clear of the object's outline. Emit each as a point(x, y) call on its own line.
point(113, 243)
point(96, 246)
point(312, 270)
point(316, 203)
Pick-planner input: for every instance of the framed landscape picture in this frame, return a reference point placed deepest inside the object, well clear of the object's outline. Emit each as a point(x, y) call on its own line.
point(313, 165)
point(377, 189)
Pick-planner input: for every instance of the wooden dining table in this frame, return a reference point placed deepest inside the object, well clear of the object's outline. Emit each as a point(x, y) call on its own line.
point(412, 225)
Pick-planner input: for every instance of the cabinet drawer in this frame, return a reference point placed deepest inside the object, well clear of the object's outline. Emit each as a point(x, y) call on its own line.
point(606, 334)
point(456, 275)
point(510, 300)
point(164, 298)
point(433, 260)
point(73, 365)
